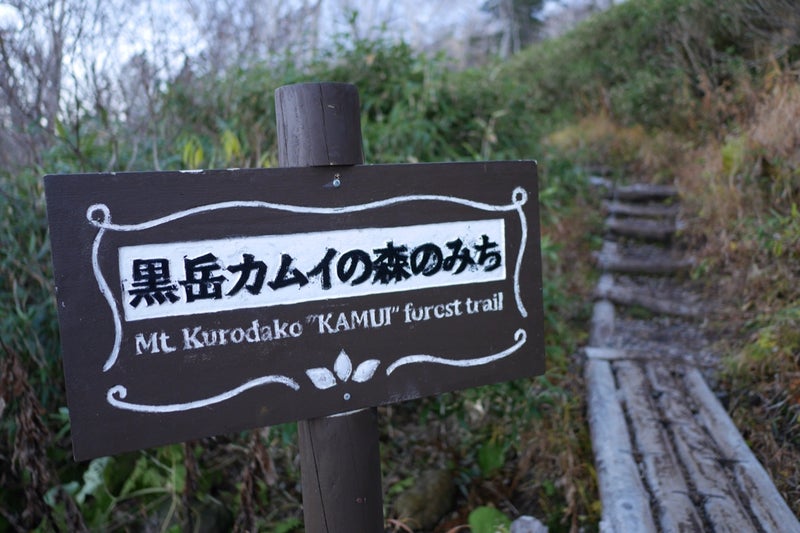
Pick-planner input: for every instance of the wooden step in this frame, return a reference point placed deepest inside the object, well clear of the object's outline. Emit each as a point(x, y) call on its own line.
point(651, 210)
point(643, 192)
point(642, 228)
point(660, 425)
point(628, 295)
point(618, 354)
point(639, 260)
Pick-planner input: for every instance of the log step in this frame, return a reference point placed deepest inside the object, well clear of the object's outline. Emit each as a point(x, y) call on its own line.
point(639, 260)
point(766, 503)
point(643, 192)
point(642, 228)
point(617, 354)
point(651, 300)
point(651, 210)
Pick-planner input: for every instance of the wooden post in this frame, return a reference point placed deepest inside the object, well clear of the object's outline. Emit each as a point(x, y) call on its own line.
point(319, 125)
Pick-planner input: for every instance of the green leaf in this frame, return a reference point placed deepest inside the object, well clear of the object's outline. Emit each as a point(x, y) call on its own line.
point(192, 153)
point(491, 457)
point(231, 146)
point(488, 520)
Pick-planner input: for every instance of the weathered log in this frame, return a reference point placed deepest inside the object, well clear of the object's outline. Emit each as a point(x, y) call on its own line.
point(765, 502)
point(642, 228)
point(611, 259)
point(722, 504)
point(640, 210)
point(602, 323)
point(601, 182)
point(616, 354)
point(631, 296)
point(643, 192)
point(671, 494)
point(626, 503)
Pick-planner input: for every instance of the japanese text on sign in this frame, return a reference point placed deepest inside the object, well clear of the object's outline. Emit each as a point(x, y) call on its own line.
point(173, 279)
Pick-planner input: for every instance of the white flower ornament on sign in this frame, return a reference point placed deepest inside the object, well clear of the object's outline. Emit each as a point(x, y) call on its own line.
point(323, 378)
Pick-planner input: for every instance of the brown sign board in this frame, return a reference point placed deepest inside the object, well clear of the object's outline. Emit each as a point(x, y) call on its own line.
point(200, 303)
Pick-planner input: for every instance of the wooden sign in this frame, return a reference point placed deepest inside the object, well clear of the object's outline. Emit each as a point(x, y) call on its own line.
point(200, 303)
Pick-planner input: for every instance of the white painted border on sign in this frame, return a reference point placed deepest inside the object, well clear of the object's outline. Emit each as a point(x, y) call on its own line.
point(117, 394)
point(99, 215)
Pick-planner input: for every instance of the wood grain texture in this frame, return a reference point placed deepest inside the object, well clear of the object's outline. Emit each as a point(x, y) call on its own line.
point(672, 501)
point(765, 502)
point(318, 124)
point(721, 502)
point(626, 503)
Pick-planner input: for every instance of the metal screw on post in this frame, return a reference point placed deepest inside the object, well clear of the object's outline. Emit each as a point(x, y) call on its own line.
point(319, 124)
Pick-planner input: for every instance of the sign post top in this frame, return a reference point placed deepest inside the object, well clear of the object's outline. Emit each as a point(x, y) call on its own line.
point(319, 124)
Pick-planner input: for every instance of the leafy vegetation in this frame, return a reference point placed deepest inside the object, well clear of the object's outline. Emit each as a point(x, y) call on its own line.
point(692, 91)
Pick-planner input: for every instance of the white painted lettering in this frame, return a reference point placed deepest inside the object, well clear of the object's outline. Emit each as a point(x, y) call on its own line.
point(324, 322)
point(165, 347)
point(210, 338)
point(284, 330)
point(341, 323)
point(237, 335)
point(190, 340)
point(361, 319)
point(251, 335)
point(428, 312)
point(149, 345)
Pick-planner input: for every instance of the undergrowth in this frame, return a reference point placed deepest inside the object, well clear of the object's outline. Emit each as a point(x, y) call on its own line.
point(752, 254)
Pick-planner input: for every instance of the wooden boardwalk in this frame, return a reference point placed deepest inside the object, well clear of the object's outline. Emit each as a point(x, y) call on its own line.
point(668, 456)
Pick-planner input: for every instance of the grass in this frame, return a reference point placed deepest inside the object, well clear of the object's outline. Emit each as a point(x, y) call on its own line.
point(743, 194)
